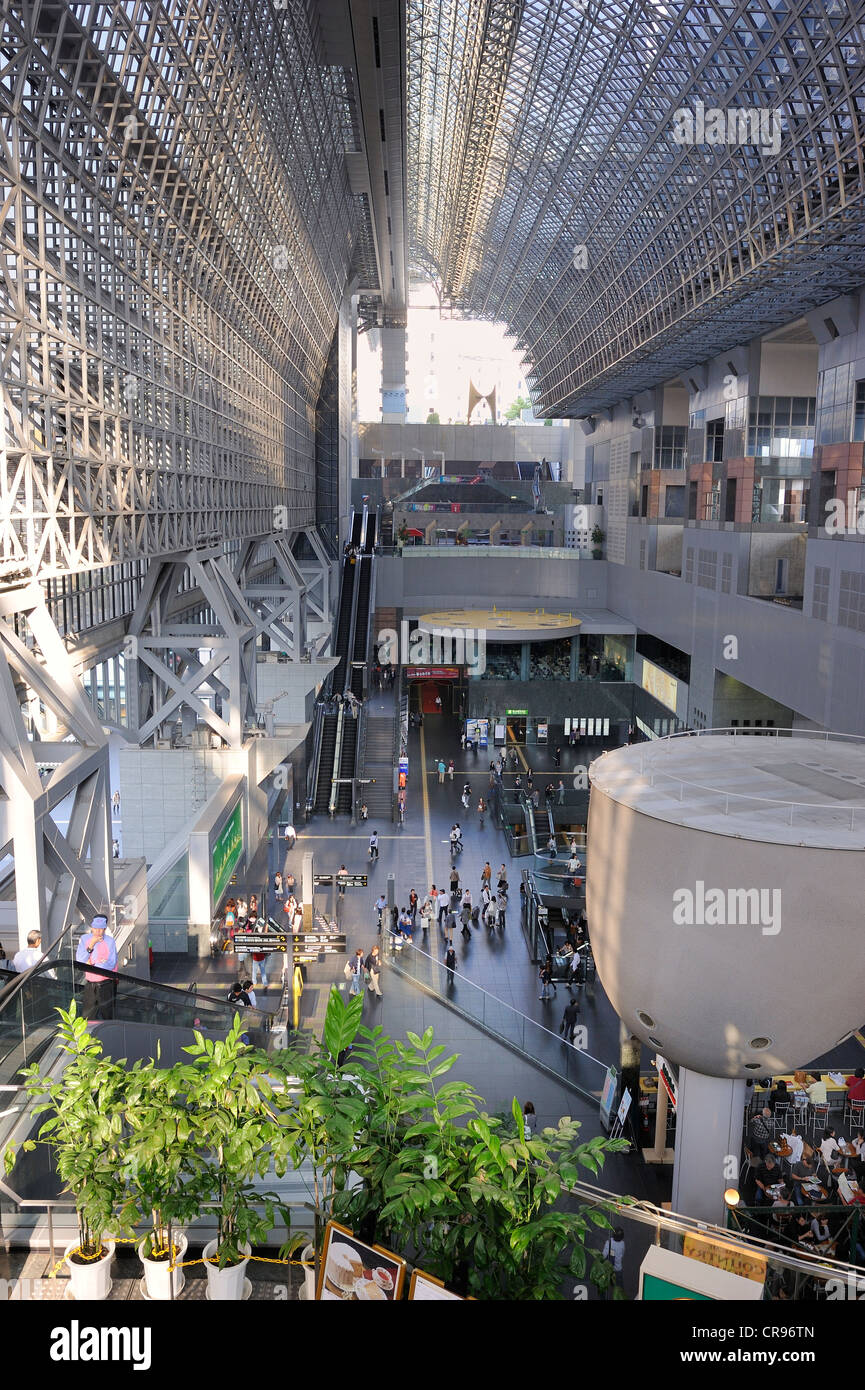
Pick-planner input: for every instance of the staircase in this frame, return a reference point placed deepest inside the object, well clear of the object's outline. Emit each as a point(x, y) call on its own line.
point(378, 795)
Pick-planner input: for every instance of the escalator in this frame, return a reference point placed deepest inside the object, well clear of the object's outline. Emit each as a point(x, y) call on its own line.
point(359, 653)
point(337, 682)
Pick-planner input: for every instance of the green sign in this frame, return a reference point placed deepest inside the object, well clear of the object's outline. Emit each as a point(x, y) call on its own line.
point(226, 852)
point(655, 1289)
point(516, 711)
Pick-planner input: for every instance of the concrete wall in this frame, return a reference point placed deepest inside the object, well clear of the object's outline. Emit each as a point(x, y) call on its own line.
point(424, 581)
point(480, 444)
point(292, 686)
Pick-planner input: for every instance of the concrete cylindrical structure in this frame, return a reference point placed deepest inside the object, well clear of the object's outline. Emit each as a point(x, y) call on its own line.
point(724, 896)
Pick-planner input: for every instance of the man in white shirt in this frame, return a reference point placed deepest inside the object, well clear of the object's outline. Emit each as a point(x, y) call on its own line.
point(797, 1144)
point(27, 957)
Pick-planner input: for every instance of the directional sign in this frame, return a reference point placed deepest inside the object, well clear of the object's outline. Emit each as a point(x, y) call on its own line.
point(331, 943)
point(261, 941)
point(347, 880)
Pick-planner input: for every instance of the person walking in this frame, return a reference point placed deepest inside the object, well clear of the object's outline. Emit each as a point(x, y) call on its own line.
point(466, 907)
point(561, 792)
point(482, 810)
point(501, 910)
point(440, 900)
point(530, 781)
point(451, 768)
point(614, 1251)
point(551, 846)
point(545, 975)
point(427, 914)
point(557, 758)
point(530, 1120)
point(455, 881)
point(441, 771)
point(259, 968)
point(486, 875)
point(97, 949)
point(115, 803)
point(380, 905)
point(536, 798)
point(568, 1024)
point(354, 971)
point(463, 740)
point(373, 847)
point(503, 880)
point(412, 906)
point(372, 965)
point(278, 890)
point(450, 963)
point(341, 879)
point(450, 926)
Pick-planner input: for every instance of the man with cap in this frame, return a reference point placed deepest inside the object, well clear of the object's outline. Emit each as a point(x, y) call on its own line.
point(95, 948)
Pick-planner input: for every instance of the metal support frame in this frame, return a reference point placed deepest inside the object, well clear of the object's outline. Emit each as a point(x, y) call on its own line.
point(58, 871)
point(550, 187)
point(278, 600)
point(164, 669)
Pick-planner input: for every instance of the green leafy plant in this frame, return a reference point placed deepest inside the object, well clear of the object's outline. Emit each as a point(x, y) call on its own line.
point(85, 1130)
point(598, 535)
point(326, 1109)
point(476, 1203)
point(516, 408)
point(236, 1117)
point(164, 1173)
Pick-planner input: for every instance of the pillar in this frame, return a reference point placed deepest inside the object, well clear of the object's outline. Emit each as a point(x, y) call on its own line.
point(393, 374)
point(575, 658)
point(710, 1113)
point(307, 889)
point(525, 660)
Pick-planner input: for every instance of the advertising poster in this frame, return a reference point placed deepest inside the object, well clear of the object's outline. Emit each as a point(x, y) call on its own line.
point(357, 1273)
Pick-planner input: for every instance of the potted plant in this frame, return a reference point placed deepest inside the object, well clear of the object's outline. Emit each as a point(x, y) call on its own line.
point(598, 538)
point(236, 1126)
point(323, 1121)
point(84, 1134)
point(163, 1173)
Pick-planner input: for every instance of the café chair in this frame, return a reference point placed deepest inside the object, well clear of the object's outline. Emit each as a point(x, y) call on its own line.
point(854, 1115)
point(781, 1117)
point(819, 1118)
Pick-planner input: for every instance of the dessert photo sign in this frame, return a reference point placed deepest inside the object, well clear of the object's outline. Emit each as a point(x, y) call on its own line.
point(357, 1272)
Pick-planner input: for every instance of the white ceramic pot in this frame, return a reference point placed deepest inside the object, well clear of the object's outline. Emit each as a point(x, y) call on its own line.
point(225, 1285)
point(157, 1279)
point(90, 1282)
point(307, 1259)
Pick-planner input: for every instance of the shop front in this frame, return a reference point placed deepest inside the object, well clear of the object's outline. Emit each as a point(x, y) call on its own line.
point(437, 689)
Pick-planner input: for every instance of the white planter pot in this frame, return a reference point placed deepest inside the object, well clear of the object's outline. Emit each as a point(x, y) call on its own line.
point(307, 1256)
point(225, 1285)
point(90, 1282)
point(157, 1279)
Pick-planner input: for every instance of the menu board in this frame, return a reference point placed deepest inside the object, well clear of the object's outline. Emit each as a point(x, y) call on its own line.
point(425, 1289)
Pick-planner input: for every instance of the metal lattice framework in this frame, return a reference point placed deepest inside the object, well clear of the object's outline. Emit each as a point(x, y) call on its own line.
point(536, 127)
point(177, 231)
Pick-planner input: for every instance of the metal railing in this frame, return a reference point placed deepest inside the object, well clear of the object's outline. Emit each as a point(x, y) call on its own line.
point(576, 1068)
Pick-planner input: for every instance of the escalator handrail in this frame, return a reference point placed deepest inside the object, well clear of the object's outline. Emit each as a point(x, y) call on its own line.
point(337, 758)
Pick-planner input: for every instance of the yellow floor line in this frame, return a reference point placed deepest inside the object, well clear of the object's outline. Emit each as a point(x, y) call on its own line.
point(426, 821)
point(859, 1038)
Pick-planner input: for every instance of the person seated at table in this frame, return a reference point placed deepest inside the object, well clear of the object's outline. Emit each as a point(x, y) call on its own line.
point(856, 1085)
point(802, 1172)
point(822, 1235)
point(858, 1143)
point(760, 1131)
point(832, 1148)
point(766, 1176)
point(404, 924)
point(816, 1092)
point(779, 1095)
point(782, 1197)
